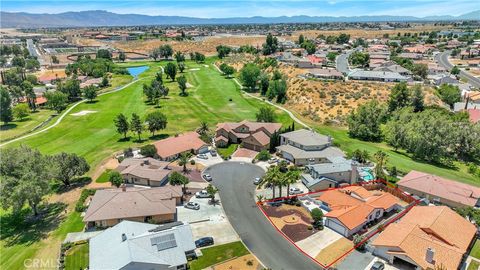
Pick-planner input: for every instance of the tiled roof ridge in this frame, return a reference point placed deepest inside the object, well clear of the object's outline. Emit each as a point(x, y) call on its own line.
point(101, 206)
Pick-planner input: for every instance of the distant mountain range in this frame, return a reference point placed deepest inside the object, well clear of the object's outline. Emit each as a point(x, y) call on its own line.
point(105, 18)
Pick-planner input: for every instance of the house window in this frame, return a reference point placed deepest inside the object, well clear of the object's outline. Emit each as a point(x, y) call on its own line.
point(147, 219)
point(377, 214)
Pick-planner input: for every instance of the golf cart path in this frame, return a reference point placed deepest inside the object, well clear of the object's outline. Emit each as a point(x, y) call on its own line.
point(65, 113)
point(268, 102)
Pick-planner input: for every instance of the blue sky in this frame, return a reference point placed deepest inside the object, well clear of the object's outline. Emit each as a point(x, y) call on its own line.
point(225, 9)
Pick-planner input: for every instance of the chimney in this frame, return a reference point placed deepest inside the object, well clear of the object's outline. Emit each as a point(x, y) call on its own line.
point(146, 162)
point(124, 237)
point(429, 256)
point(354, 174)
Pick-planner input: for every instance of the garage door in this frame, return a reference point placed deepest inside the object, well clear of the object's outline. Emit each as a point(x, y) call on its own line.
point(336, 226)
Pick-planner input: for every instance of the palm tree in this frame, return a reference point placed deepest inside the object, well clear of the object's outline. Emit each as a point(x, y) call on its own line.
point(211, 190)
point(271, 177)
point(291, 178)
point(380, 159)
point(260, 198)
point(176, 178)
point(183, 160)
point(203, 128)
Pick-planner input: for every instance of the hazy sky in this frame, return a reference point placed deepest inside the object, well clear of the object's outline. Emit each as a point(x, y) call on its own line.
point(223, 9)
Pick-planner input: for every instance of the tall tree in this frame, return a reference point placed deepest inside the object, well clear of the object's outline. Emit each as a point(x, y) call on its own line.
point(156, 121)
point(271, 45)
point(291, 177)
point(212, 191)
point(67, 166)
point(136, 125)
point(122, 125)
point(179, 57)
point(381, 159)
point(365, 122)
point(176, 178)
point(449, 94)
point(27, 88)
point(181, 66)
point(399, 97)
point(20, 111)
point(182, 85)
point(56, 100)
point(6, 114)
point(166, 51)
point(122, 56)
point(90, 93)
point(249, 76)
point(203, 129)
point(148, 150)
point(266, 114)
point(171, 71)
point(25, 175)
point(417, 98)
point(115, 178)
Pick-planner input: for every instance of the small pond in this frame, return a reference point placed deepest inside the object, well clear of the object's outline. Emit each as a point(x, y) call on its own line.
point(135, 71)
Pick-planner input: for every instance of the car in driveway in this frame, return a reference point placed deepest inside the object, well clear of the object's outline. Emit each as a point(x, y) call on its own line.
point(204, 241)
point(202, 156)
point(207, 177)
point(378, 266)
point(295, 190)
point(272, 160)
point(192, 205)
point(213, 153)
point(257, 180)
point(202, 194)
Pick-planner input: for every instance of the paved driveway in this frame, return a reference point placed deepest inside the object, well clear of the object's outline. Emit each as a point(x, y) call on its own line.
point(210, 220)
point(356, 260)
point(312, 245)
point(235, 182)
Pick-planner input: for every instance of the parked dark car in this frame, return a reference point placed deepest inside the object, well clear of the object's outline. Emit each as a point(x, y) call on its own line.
point(378, 266)
point(203, 242)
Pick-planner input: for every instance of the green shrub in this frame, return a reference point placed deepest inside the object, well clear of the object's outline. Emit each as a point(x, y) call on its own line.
point(80, 206)
point(264, 155)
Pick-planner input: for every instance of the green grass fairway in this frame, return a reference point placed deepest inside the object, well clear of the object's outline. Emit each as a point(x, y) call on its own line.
point(214, 255)
point(17, 128)
point(212, 99)
point(77, 257)
point(475, 252)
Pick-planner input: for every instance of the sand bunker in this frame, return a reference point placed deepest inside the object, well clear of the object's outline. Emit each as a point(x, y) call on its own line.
point(205, 65)
point(81, 113)
point(189, 85)
point(194, 69)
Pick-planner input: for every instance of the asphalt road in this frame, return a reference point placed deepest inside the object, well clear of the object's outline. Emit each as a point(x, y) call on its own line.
point(235, 183)
point(442, 59)
point(342, 62)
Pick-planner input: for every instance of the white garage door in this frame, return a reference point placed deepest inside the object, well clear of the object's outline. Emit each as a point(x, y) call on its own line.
point(336, 227)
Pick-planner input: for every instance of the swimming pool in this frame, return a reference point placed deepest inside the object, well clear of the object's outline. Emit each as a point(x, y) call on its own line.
point(366, 174)
point(135, 71)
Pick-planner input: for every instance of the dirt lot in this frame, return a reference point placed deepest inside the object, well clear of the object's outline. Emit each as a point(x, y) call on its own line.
point(332, 101)
point(354, 33)
point(207, 46)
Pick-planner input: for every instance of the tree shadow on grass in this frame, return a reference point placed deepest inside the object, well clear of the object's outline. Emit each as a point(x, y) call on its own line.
point(92, 101)
point(79, 182)
point(158, 137)
point(8, 126)
point(25, 228)
point(444, 165)
point(124, 139)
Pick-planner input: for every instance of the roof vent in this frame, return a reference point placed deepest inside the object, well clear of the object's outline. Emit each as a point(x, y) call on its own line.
point(124, 237)
point(429, 256)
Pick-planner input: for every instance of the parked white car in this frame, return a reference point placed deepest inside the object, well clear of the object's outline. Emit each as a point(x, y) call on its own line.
point(272, 160)
point(202, 156)
point(202, 194)
point(257, 180)
point(192, 205)
point(295, 190)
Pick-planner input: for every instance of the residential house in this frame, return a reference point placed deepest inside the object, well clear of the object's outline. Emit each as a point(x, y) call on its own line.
point(302, 147)
point(427, 237)
point(434, 68)
point(328, 175)
point(110, 206)
point(442, 78)
point(134, 245)
point(351, 209)
point(440, 190)
point(170, 148)
point(393, 67)
point(382, 76)
point(252, 135)
point(325, 74)
point(412, 56)
point(144, 171)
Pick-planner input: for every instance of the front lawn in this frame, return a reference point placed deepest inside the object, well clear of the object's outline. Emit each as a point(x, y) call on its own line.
point(475, 252)
point(473, 265)
point(103, 178)
point(77, 257)
point(217, 254)
point(228, 151)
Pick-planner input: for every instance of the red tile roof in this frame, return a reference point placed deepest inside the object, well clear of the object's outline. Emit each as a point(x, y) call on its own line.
point(176, 145)
point(441, 187)
point(474, 115)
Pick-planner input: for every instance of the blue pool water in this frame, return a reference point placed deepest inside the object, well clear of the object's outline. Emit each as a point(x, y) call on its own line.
point(135, 71)
point(366, 174)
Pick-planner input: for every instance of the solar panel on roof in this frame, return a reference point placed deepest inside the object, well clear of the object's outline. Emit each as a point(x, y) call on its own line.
point(164, 241)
